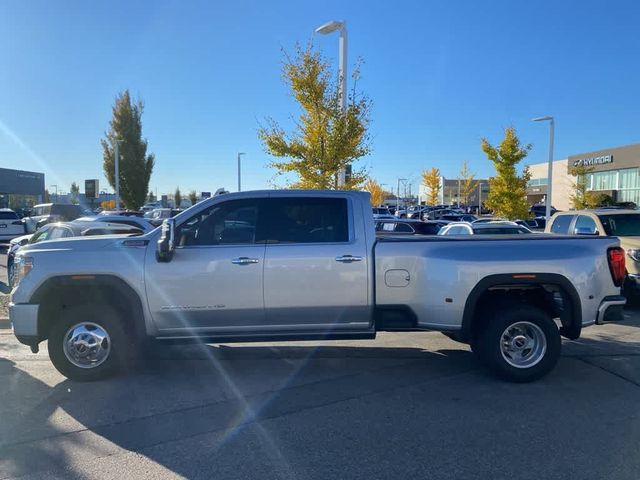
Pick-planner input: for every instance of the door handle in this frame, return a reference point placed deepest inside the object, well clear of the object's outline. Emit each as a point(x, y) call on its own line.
point(244, 261)
point(348, 259)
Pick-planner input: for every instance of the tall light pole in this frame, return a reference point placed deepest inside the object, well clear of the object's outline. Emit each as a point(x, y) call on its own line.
point(239, 172)
point(398, 197)
point(479, 198)
point(56, 187)
point(116, 161)
point(550, 166)
point(326, 29)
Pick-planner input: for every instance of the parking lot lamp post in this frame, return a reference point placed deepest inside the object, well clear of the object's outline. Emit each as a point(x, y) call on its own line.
point(550, 166)
point(479, 198)
point(239, 171)
point(326, 29)
point(398, 197)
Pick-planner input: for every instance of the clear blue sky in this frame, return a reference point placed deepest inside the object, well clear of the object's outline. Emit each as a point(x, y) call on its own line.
point(441, 76)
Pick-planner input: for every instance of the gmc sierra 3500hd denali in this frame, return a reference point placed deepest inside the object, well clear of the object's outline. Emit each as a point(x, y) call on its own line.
point(306, 265)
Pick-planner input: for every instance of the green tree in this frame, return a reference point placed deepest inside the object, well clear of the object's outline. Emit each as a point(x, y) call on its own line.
point(431, 180)
point(46, 197)
point(177, 198)
point(151, 198)
point(193, 197)
point(580, 199)
point(135, 164)
point(508, 190)
point(468, 182)
point(326, 139)
point(74, 191)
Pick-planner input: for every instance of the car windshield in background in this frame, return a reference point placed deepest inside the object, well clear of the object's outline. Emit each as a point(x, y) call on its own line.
point(623, 225)
point(8, 216)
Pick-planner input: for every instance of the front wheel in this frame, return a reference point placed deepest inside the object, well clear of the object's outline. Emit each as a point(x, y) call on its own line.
point(520, 343)
point(89, 343)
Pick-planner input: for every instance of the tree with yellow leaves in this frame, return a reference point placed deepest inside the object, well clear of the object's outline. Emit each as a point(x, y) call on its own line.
point(468, 183)
point(431, 180)
point(508, 190)
point(326, 139)
point(376, 191)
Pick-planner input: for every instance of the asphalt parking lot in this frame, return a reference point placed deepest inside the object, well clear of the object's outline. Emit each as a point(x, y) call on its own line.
point(407, 405)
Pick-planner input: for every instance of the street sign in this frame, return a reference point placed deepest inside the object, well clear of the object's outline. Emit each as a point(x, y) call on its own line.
point(91, 189)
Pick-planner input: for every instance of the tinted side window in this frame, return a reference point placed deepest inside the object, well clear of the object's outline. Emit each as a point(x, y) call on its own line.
point(403, 228)
point(307, 220)
point(587, 223)
point(8, 216)
point(227, 223)
point(561, 224)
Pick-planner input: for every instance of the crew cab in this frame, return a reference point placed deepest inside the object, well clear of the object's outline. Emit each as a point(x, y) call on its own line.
point(306, 265)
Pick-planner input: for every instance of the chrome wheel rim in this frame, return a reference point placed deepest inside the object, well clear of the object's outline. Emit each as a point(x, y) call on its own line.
point(523, 344)
point(86, 345)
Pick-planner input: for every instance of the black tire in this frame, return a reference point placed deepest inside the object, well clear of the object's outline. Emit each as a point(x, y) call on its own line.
point(534, 323)
point(120, 345)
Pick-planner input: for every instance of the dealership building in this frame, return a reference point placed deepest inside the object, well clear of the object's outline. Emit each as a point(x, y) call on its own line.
point(615, 172)
point(19, 188)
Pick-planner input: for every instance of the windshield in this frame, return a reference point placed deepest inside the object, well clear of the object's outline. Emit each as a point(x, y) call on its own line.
point(623, 225)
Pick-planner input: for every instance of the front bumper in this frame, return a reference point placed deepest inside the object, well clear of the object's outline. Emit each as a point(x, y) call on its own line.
point(611, 310)
point(24, 319)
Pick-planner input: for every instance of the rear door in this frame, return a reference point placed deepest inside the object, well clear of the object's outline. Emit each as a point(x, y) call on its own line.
point(10, 225)
point(316, 265)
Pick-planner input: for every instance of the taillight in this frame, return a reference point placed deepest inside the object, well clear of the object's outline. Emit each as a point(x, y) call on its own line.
point(615, 256)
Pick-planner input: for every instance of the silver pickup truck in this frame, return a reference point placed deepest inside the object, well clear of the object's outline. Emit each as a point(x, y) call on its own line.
point(306, 265)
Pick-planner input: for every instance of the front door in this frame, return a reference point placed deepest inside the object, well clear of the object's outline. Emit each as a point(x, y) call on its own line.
point(214, 283)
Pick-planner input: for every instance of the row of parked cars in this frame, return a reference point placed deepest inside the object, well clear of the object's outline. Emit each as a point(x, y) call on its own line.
point(59, 221)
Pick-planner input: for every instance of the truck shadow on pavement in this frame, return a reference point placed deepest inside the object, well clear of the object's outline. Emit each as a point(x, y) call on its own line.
point(186, 391)
point(205, 411)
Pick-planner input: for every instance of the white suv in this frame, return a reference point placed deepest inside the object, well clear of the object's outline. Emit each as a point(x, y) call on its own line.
point(11, 226)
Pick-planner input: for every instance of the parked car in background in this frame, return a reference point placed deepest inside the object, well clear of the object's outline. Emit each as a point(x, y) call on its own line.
point(52, 212)
point(459, 217)
point(437, 214)
point(382, 213)
point(541, 210)
point(142, 223)
point(530, 224)
point(155, 217)
point(59, 230)
point(409, 227)
point(489, 219)
point(607, 222)
point(418, 212)
point(489, 228)
point(147, 207)
point(124, 213)
point(11, 226)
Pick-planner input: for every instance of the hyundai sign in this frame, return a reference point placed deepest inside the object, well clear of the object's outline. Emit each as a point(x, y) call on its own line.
point(587, 162)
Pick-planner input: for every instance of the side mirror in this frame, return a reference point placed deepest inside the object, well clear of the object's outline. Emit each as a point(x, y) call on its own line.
point(165, 247)
point(584, 231)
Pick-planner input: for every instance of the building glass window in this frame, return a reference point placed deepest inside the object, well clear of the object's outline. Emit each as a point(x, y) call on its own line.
point(625, 181)
point(534, 182)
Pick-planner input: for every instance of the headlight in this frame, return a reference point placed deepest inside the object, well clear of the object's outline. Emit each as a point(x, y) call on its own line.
point(634, 253)
point(22, 267)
